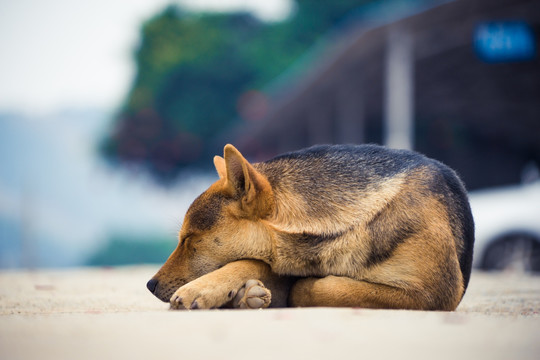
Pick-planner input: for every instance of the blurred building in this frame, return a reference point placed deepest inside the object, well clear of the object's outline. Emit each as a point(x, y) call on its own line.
point(459, 82)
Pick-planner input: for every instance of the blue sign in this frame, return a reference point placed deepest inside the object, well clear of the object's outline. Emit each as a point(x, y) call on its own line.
point(504, 41)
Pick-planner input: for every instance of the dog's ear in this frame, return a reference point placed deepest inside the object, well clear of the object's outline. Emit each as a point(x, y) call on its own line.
point(246, 183)
point(221, 169)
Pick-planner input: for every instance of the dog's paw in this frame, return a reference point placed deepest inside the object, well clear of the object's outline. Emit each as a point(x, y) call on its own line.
point(193, 296)
point(253, 295)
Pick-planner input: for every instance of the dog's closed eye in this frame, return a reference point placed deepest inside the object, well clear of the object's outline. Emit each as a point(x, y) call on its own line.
point(185, 238)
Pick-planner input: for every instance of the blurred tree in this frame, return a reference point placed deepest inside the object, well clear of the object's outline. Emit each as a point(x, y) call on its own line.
point(191, 71)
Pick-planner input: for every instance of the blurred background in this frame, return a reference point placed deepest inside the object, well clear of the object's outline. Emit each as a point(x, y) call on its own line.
point(111, 111)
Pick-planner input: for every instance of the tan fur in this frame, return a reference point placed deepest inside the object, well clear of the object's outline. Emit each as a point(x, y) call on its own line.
point(292, 210)
point(244, 228)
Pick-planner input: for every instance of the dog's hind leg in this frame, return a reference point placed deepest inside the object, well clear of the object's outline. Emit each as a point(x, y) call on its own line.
point(335, 291)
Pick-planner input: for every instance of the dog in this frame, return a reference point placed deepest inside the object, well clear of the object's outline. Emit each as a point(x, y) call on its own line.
point(331, 225)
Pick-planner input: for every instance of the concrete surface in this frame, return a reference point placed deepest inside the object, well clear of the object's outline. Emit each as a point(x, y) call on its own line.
point(108, 313)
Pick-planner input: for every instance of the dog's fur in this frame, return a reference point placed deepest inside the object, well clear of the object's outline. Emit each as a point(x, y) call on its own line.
point(343, 225)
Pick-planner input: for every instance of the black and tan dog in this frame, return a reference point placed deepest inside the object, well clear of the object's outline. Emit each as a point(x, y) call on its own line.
point(361, 226)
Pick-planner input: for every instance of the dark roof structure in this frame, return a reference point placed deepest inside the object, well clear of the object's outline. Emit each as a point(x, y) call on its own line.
point(473, 78)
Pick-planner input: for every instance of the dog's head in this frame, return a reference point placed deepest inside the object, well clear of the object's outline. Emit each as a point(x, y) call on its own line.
point(217, 225)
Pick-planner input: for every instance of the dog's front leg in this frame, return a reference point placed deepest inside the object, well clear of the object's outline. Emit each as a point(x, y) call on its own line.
point(219, 287)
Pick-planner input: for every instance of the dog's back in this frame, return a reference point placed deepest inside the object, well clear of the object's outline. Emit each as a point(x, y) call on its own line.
point(384, 196)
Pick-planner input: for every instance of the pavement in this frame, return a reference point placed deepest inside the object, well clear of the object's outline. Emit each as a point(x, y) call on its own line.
point(107, 313)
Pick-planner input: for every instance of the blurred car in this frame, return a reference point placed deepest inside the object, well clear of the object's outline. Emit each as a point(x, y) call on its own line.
point(507, 222)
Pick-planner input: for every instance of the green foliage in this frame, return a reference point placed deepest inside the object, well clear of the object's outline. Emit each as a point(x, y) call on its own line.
point(191, 71)
point(127, 250)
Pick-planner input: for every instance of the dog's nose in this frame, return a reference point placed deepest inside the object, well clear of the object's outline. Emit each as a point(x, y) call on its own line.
point(151, 285)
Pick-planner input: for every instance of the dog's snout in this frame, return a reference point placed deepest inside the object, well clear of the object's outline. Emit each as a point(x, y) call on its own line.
point(151, 285)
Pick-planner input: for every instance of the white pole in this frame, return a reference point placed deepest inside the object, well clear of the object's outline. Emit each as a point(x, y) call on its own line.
point(399, 91)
